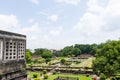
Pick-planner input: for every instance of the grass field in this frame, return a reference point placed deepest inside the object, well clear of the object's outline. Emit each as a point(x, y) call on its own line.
point(52, 77)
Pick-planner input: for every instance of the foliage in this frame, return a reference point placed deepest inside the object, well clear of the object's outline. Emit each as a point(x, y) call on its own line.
point(102, 76)
point(54, 72)
point(46, 54)
point(77, 49)
point(77, 62)
point(46, 76)
point(117, 77)
point(63, 61)
point(28, 56)
point(87, 75)
point(35, 75)
point(68, 63)
point(108, 58)
point(38, 51)
point(36, 61)
point(87, 48)
point(70, 50)
point(40, 74)
point(44, 71)
point(47, 60)
point(52, 77)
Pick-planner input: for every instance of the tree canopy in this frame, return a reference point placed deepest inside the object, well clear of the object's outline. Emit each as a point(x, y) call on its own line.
point(107, 58)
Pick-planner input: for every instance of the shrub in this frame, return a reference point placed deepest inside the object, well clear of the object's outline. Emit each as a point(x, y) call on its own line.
point(35, 75)
point(77, 62)
point(44, 71)
point(68, 63)
point(112, 78)
point(45, 76)
point(63, 61)
point(117, 77)
point(36, 78)
point(54, 72)
point(40, 74)
point(87, 75)
point(102, 76)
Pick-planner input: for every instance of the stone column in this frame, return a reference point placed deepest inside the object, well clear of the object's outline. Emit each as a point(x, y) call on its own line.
point(1, 49)
point(4, 48)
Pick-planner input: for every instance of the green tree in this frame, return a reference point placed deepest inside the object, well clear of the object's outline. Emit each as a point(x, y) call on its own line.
point(63, 61)
point(102, 76)
point(47, 54)
point(28, 56)
point(76, 52)
point(108, 58)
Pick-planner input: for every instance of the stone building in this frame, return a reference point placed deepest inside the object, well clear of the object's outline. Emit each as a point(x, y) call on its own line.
point(12, 56)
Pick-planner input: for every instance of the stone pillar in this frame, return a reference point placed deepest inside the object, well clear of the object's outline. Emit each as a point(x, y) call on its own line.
point(1, 49)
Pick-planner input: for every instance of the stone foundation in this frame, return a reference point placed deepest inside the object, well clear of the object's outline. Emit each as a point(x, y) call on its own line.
point(13, 70)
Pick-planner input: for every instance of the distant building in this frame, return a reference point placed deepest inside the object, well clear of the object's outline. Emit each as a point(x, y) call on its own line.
point(12, 56)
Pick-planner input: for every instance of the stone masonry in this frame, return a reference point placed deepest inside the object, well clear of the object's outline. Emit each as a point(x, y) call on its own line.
point(12, 56)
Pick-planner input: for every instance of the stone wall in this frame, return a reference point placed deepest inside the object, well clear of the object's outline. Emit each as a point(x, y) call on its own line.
point(13, 70)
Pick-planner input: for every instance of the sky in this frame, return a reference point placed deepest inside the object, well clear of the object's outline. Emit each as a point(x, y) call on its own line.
point(54, 24)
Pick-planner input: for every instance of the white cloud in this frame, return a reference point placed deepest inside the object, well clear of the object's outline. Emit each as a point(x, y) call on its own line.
point(34, 28)
point(93, 6)
point(53, 17)
point(56, 32)
point(73, 2)
point(35, 1)
point(100, 22)
point(8, 22)
point(89, 24)
point(31, 20)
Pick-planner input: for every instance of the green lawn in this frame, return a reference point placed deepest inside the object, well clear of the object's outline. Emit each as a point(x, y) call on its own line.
point(52, 77)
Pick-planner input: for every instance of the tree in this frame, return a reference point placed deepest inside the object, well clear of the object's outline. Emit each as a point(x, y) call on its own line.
point(63, 61)
point(76, 52)
point(28, 56)
point(46, 54)
point(108, 58)
point(102, 76)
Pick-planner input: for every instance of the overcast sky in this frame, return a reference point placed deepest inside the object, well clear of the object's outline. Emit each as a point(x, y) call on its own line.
point(55, 24)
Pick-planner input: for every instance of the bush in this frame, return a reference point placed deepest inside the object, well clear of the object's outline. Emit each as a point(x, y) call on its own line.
point(54, 72)
point(87, 75)
point(112, 78)
point(35, 75)
point(77, 62)
point(45, 76)
point(36, 78)
point(40, 74)
point(117, 77)
point(102, 76)
point(68, 63)
point(44, 71)
point(63, 61)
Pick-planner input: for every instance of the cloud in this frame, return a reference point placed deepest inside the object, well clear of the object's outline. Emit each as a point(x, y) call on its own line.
point(53, 17)
point(94, 6)
point(73, 2)
point(35, 1)
point(31, 20)
point(106, 18)
point(34, 28)
point(99, 23)
point(8, 22)
point(56, 32)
